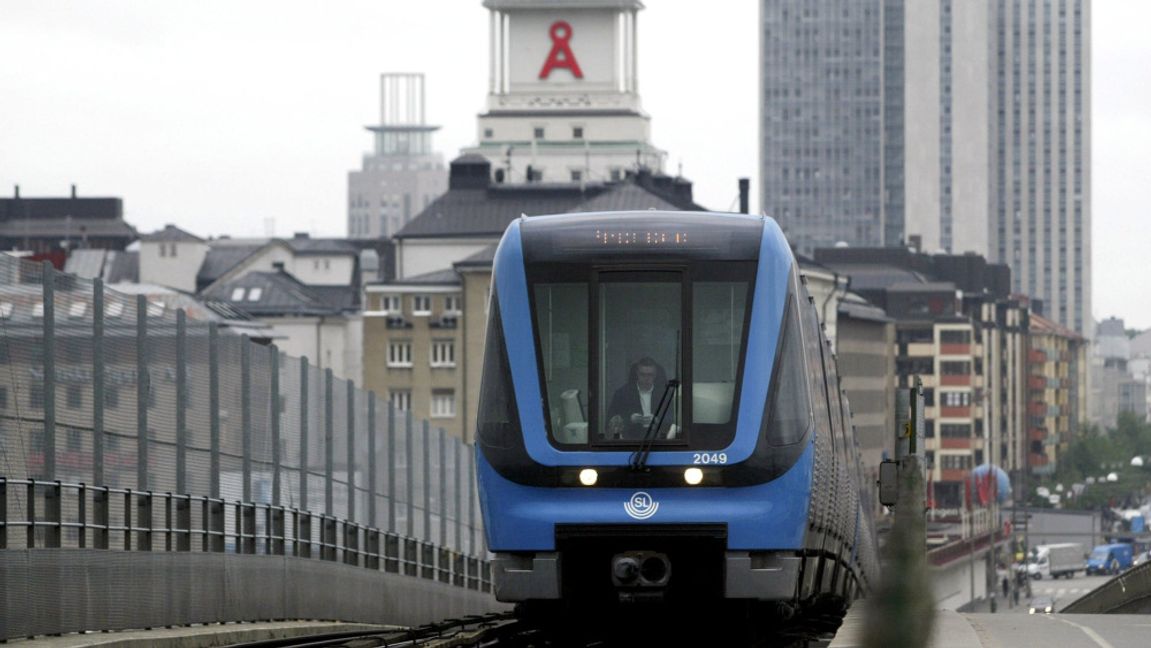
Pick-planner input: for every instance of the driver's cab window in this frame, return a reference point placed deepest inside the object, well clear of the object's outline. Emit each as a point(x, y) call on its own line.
point(562, 323)
point(639, 355)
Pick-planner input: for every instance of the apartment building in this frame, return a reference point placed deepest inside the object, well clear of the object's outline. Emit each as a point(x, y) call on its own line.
point(414, 346)
point(1056, 397)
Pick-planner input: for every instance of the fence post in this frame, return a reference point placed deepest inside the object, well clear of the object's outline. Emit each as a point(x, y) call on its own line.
point(48, 348)
point(214, 409)
point(143, 392)
point(472, 505)
point(411, 476)
point(245, 419)
point(459, 521)
point(391, 468)
point(3, 513)
point(329, 442)
point(304, 436)
point(181, 402)
point(427, 479)
point(371, 396)
point(350, 431)
point(440, 481)
point(274, 357)
point(53, 514)
point(98, 385)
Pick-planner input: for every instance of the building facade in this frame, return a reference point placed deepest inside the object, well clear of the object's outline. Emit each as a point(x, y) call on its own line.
point(953, 126)
point(563, 100)
point(1056, 402)
point(415, 354)
point(402, 175)
point(958, 329)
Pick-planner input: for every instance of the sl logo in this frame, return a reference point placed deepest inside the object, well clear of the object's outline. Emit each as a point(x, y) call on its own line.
point(641, 506)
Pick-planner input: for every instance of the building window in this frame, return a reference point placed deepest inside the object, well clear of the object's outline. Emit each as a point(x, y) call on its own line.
point(390, 303)
point(238, 294)
point(488, 133)
point(955, 368)
point(111, 397)
point(954, 431)
point(75, 440)
point(75, 397)
point(255, 294)
point(172, 250)
point(452, 304)
point(3, 398)
point(616, 175)
point(400, 354)
point(538, 132)
point(955, 399)
point(577, 176)
point(421, 304)
point(36, 395)
point(401, 400)
point(443, 403)
point(443, 353)
point(163, 250)
point(577, 132)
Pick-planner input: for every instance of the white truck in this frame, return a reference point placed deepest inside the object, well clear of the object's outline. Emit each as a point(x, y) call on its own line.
point(1055, 560)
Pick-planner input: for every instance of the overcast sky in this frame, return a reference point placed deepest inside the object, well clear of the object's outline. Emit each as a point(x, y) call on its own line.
point(236, 116)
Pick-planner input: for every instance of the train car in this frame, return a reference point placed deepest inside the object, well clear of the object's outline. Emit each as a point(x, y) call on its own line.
point(660, 420)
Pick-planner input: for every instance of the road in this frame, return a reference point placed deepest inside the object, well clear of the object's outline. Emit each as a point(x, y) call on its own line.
point(1064, 591)
point(1059, 630)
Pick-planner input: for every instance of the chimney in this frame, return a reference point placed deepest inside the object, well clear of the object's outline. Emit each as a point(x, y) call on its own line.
point(300, 235)
point(915, 242)
point(744, 190)
point(17, 192)
point(73, 191)
point(470, 172)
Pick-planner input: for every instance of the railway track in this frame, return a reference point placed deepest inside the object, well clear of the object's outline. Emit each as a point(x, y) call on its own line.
point(506, 631)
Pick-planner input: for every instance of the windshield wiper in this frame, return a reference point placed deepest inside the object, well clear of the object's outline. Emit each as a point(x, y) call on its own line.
point(639, 457)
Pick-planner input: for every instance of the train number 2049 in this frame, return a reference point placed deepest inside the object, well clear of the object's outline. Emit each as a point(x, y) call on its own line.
point(709, 458)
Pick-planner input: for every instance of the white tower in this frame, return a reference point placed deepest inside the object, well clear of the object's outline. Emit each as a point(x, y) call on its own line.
point(563, 104)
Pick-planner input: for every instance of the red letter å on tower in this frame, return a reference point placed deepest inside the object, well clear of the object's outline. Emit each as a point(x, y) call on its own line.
point(561, 55)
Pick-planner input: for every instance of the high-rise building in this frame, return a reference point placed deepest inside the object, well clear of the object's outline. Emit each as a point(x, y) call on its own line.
point(563, 102)
point(402, 175)
point(945, 125)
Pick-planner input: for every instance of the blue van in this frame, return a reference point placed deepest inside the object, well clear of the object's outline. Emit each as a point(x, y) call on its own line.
point(1110, 559)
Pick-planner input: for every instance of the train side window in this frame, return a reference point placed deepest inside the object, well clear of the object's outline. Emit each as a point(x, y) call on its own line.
point(497, 420)
point(562, 327)
point(790, 408)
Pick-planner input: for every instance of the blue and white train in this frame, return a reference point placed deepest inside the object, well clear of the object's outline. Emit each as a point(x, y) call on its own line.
point(660, 419)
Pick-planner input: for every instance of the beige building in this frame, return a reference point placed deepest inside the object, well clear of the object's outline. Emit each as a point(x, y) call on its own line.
point(413, 351)
point(1057, 398)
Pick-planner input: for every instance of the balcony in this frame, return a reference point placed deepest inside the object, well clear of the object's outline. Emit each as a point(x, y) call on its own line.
point(1038, 383)
point(1036, 356)
point(398, 322)
point(955, 379)
point(955, 349)
point(955, 443)
point(1037, 459)
point(1037, 434)
point(955, 412)
point(952, 474)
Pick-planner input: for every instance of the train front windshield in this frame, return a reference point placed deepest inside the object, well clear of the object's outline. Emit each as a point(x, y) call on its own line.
point(653, 351)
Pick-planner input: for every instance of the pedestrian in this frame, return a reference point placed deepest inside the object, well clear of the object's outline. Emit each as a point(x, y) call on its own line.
point(1005, 586)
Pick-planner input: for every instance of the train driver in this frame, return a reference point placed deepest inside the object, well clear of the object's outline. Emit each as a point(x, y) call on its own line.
point(633, 406)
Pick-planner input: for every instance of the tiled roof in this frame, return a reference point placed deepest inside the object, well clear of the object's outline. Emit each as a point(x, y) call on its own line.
point(482, 259)
point(172, 233)
point(487, 212)
point(279, 293)
point(434, 278)
point(74, 228)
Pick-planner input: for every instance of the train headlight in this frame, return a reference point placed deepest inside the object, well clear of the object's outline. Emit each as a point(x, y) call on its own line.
point(588, 476)
point(693, 476)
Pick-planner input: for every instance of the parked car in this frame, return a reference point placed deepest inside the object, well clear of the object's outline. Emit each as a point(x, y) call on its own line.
point(1110, 559)
point(1041, 605)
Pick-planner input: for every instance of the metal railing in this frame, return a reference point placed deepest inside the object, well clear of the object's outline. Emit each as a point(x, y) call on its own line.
point(172, 522)
point(150, 423)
